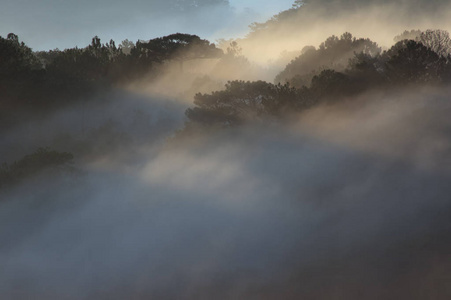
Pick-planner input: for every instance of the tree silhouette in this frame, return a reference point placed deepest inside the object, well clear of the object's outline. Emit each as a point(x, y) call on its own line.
point(16, 57)
point(331, 85)
point(30, 165)
point(239, 101)
point(333, 53)
point(180, 47)
point(245, 101)
point(438, 41)
point(412, 62)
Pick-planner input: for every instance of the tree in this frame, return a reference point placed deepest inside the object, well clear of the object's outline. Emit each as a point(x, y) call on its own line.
point(240, 101)
point(366, 71)
point(412, 62)
point(93, 63)
point(244, 101)
point(21, 76)
point(334, 53)
point(437, 40)
point(331, 85)
point(180, 47)
point(16, 57)
point(41, 160)
point(408, 35)
point(234, 50)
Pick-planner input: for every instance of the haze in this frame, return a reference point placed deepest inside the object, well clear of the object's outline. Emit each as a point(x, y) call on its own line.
point(307, 157)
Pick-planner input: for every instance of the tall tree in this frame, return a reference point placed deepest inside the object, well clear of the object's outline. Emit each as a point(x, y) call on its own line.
point(412, 62)
point(181, 47)
point(438, 41)
point(333, 53)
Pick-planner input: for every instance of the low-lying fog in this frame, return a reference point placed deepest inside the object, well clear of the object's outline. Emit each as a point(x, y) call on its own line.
point(351, 201)
point(344, 200)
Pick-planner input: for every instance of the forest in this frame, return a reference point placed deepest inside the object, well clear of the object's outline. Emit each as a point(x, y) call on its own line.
point(182, 168)
point(37, 84)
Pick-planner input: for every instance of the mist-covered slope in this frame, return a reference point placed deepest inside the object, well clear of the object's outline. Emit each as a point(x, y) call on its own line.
point(172, 169)
point(350, 202)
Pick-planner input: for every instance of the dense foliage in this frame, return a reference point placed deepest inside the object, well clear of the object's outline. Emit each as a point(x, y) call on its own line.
point(328, 181)
point(243, 101)
point(33, 164)
point(340, 68)
point(32, 82)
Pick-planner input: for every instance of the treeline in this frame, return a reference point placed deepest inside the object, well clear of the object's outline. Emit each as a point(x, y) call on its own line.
point(339, 69)
point(34, 82)
point(42, 160)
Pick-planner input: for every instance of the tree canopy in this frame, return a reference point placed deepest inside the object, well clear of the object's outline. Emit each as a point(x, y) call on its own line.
point(45, 80)
point(43, 159)
point(177, 46)
point(333, 53)
point(353, 66)
point(339, 68)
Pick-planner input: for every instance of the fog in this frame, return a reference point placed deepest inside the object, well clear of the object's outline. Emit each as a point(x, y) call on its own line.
point(316, 20)
point(347, 198)
point(350, 201)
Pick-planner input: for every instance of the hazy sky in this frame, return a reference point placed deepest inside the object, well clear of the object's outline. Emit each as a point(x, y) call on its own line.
point(48, 24)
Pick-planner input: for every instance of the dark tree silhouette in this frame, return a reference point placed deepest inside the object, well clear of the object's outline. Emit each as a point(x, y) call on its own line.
point(16, 57)
point(437, 40)
point(20, 78)
point(412, 62)
point(31, 83)
point(243, 101)
point(366, 72)
point(41, 160)
point(181, 47)
point(239, 101)
point(331, 85)
point(334, 53)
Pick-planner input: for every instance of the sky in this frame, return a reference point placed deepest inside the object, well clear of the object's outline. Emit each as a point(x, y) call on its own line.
point(49, 24)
